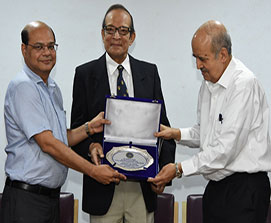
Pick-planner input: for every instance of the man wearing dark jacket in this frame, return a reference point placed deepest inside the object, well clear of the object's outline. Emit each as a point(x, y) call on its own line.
point(132, 201)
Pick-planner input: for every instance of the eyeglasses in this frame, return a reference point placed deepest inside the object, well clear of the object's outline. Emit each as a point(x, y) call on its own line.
point(41, 47)
point(123, 30)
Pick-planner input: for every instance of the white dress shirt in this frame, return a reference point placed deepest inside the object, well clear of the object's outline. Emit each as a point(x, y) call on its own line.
point(233, 126)
point(113, 73)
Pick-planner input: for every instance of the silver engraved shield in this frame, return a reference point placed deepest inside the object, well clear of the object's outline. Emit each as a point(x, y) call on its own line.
point(129, 158)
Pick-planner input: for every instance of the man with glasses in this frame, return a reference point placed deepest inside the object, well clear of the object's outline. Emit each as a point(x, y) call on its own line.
point(37, 152)
point(130, 201)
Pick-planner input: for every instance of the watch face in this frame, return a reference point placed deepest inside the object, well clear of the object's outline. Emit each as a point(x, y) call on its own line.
point(178, 173)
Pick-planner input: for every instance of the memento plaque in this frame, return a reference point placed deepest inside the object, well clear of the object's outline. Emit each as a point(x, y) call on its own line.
point(130, 159)
point(129, 142)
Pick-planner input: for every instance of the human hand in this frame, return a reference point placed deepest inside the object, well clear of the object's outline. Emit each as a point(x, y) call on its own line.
point(105, 174)
point(157, 189)
point(96, 153)
point(167, 174)
point(168, 133)
point(96, 124)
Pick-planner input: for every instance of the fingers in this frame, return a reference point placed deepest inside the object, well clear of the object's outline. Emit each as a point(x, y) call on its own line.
point(102, 119)
point(163, 127)
point(158, 181)
point(96, 152)
point(100, 152)
point(105, 121)
point(157, 189)
point(95, 159)
point(163, 132)
point(96, 124)
point(164, 176)
point(169, 133)
point(116, 176)
point(115, 180)
point(106, 175)
point(101, 114)
point(158, 134)
point(121, 176)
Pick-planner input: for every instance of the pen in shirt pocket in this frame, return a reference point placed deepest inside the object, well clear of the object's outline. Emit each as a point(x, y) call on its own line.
point(220, 118)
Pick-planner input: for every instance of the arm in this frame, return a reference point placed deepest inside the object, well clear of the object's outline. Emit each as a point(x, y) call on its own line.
point(189, 137)
point(49, 144)
point(228, 139)
point(36, 125)
point(167, 174)
point(241, 114)
point(94, 126)
point(168, 133)
point(185, 136)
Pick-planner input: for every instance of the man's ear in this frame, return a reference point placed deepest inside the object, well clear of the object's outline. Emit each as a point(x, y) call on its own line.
point(132, 38)
point(23, 49)
point(224, 55)
point(102, 33)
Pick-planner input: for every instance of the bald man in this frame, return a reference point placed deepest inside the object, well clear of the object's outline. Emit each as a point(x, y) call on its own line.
point(38, 155)
point(231, 132)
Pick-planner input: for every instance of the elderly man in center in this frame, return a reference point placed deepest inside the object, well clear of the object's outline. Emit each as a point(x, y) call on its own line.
point(130, 201)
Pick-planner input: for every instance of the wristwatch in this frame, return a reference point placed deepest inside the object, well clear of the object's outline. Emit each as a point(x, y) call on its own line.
point(87, 129)
point(178, 173)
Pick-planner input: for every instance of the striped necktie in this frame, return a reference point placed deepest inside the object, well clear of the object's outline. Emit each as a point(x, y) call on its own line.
point(121, 86)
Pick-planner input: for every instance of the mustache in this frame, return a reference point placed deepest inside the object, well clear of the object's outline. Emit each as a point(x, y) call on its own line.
point(204, 70)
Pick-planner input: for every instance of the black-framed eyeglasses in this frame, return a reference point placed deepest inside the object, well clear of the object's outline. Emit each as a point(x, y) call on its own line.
point(41, 47)
point(122, 30)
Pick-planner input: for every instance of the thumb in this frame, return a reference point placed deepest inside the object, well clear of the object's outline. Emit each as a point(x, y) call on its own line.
point(101, 114)
point(100, 152)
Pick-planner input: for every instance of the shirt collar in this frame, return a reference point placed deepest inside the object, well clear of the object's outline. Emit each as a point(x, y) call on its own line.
point(112, 65)
point(36, 78)
point(225, 78)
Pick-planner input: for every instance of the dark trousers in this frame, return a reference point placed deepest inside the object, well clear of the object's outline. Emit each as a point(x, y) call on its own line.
point(239, 198)
point(20, 206)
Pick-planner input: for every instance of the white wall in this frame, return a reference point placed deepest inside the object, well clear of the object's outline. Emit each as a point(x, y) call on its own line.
point(164, 30)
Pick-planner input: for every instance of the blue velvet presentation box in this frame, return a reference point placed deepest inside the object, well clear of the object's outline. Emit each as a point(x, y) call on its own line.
point(129, 143)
